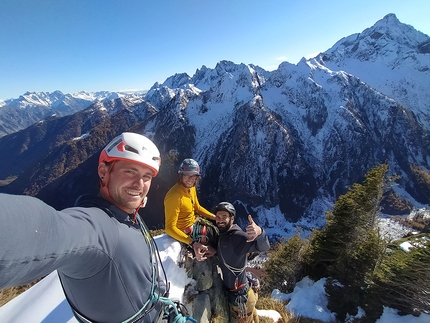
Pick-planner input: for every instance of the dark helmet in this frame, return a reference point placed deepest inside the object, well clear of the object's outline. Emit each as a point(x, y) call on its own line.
point(189, 167)
point(225, 206)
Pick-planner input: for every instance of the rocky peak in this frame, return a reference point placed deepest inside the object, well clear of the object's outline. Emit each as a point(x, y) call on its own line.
point(388, 39)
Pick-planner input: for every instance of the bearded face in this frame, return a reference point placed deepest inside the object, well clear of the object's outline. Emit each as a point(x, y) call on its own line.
point(223, 220)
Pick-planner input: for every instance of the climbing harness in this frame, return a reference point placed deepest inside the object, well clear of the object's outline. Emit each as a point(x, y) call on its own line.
point(239, 295)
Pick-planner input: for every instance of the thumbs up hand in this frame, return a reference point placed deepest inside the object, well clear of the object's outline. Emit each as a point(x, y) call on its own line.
point(252, 230)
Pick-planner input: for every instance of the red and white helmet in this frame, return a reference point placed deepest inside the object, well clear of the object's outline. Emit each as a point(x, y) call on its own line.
point(132, 147)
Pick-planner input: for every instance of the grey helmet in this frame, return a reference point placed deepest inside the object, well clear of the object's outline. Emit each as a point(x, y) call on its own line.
point(225, 206)
point(189, 167)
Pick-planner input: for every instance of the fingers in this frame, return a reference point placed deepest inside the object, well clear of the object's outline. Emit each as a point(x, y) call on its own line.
point(251, 238)
point(252, 230)
point(211, 252)
point(251, 221)
point(200, 250)
point(250, 233)
point(201, 257)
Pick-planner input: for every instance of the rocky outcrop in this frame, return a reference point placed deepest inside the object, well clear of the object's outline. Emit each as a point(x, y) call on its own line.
point(206, 297)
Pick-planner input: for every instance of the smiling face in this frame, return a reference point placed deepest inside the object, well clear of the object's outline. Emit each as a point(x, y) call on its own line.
point(188, 181)
point(223, 220)
point(127, 183)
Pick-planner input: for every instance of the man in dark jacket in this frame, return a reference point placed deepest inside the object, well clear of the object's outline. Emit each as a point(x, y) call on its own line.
point(106, 259)
point(233, 247)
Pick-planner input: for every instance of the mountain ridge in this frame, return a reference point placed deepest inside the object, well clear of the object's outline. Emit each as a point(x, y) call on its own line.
point(31, 107)
point(285, 143)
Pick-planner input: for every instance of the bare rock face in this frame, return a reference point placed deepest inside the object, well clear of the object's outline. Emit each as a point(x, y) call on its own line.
point(205, 299)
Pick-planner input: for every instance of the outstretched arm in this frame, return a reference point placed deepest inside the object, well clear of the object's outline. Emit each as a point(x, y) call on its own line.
point(36, 239)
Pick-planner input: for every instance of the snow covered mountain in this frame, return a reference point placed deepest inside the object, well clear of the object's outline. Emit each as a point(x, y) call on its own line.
point(281, 145)
point(17, 114)
point(391, 57)
point(291, 140)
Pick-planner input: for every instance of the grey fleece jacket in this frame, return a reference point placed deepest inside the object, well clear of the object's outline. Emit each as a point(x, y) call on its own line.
point(232, 252)
point(101, 257)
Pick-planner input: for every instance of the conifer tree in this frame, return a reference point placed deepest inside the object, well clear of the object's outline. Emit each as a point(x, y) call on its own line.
point(284, 267)
point(402, 281)
point(348, 248)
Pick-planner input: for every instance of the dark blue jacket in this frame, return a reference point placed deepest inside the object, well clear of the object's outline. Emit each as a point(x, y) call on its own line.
point(232, 253)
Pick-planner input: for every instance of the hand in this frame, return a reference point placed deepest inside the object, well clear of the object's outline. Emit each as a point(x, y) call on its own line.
point(252, 230)
point(210, 253)
point(200, 251)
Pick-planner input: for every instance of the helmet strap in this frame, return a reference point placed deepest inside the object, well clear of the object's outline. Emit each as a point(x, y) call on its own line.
point(133, 220)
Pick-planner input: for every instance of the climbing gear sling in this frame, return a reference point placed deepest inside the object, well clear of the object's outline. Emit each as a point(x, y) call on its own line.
point(204, 232)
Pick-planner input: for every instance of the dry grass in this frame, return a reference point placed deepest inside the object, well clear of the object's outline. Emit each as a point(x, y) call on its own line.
point(157, 232)
point(7, 181)
point(219, 319)
point(10, 293)
point(267, 303)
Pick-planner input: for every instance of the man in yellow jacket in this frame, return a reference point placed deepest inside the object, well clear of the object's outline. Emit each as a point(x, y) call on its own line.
point(184, 214)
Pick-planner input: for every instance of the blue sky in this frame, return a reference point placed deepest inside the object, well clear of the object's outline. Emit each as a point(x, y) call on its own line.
point(120, 45)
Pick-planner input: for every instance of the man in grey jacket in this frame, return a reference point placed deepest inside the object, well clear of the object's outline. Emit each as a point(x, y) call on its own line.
point(106, 259)
point(234, 245)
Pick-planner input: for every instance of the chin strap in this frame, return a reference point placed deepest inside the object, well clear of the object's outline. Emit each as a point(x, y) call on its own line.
point(133, 220)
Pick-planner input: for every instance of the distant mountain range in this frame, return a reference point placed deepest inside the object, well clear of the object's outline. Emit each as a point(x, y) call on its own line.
point(18, 114)
point(281, 145)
